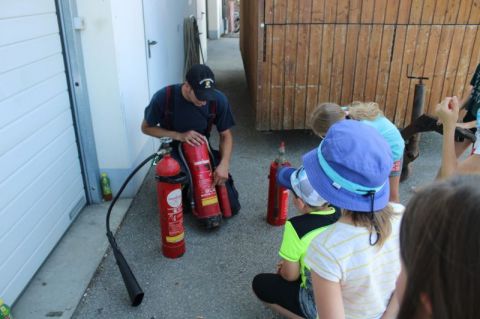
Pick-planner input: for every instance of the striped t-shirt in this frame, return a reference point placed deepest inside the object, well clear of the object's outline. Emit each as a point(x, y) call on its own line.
point(367, 274)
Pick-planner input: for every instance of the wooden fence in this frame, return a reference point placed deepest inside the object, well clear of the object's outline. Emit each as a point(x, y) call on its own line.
point(298, 53)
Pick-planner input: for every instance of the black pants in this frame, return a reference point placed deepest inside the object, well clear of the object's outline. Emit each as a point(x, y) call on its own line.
point(273, 289)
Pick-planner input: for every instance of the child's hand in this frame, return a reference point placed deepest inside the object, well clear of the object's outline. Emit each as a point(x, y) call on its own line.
point(447, 111)
point(279, 266)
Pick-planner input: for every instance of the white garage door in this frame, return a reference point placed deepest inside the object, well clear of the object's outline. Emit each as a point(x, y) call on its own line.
point(41, 186)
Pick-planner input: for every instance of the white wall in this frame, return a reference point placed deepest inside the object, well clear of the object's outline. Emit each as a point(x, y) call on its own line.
point(132, 70)
point(215, 22)
point(114, 51)
point(102, 82)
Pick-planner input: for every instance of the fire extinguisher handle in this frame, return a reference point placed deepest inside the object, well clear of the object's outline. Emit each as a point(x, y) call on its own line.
point(180, 178)
point(165, 140)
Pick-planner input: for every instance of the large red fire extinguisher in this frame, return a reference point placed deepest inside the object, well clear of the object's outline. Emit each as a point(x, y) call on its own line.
point(169, 193)
point(277, 212)
point(207, 207)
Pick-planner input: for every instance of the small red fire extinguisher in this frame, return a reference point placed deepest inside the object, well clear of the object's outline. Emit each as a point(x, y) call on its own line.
point(207, 208)
point(224, 201)
point(169, 193)
point(277, 212)
point(222, 194)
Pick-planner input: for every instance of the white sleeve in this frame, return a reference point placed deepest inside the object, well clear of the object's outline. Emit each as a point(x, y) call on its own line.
point(323, 262)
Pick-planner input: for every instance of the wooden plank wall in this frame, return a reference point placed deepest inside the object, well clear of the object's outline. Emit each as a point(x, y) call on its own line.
point(250, 35)
point(312, 51)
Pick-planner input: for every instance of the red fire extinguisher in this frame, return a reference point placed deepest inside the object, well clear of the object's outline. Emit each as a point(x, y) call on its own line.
point(224, 201)
point(207, 208)
point(169, 193)
point(222, 193)
point(277, 212)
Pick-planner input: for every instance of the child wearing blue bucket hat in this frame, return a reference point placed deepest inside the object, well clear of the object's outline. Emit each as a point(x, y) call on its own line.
point(355, 262)
point(286, 290)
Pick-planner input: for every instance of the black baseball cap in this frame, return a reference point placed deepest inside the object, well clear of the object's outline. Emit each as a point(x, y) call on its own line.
point(202, 80)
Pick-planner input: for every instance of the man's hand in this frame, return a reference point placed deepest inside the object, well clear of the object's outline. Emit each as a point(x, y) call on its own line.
point(447, 111)
point(220, 175)
point(467, 125)
point(191, 137)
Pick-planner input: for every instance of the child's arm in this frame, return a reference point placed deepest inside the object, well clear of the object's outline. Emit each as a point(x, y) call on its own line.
point(392, 309)
point(289, 270)
point(291, 251)
point(447, 111)
point(328, 298)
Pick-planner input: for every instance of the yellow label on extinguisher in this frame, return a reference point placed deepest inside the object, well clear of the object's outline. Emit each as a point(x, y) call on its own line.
point(175, 239)
point(209, 200)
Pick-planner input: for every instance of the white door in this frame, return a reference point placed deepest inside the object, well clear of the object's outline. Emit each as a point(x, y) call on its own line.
point(164, 38)
point(41, 185)
point(164, 41)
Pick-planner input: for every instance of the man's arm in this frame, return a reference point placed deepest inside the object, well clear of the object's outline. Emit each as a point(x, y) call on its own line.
point(468, 93)
point(226, 146)
point(190, 137)
point(157, 131)
point(467, 125)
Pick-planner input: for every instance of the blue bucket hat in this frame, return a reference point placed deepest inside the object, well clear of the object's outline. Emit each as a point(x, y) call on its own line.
point(350, 168)
point(296, 180)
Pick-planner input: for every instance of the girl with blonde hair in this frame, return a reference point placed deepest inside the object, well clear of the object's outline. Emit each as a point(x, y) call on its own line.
point(354, 263)
point(327, 114)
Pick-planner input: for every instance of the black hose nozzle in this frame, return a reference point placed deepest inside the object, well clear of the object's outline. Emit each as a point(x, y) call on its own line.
point(134, 290)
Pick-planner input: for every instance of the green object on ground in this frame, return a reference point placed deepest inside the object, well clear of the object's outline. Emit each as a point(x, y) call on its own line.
point(106, 190)
point(5, 312)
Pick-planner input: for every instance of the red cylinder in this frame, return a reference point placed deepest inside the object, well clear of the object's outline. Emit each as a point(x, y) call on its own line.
point(207, 208)
point(277, 212)
point(169, 195)
point(224, 201)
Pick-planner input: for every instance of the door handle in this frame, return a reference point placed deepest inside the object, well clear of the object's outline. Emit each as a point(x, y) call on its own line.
point(150, 43)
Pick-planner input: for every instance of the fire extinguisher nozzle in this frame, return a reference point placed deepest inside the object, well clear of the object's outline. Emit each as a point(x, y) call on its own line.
point(134, 290)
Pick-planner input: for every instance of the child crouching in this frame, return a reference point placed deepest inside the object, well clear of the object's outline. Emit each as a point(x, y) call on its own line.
point(287, 291)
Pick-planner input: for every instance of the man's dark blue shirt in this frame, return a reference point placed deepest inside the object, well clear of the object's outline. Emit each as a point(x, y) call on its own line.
point(187, 116)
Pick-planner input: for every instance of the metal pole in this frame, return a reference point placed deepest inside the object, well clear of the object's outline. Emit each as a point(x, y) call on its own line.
point(411, 148)
point(418, 102)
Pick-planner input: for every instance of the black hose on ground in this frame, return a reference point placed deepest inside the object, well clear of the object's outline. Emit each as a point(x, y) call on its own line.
point(134, 290)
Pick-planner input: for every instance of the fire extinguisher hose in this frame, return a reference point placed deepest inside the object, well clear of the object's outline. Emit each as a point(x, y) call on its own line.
point(134, 290)
point(189, 176)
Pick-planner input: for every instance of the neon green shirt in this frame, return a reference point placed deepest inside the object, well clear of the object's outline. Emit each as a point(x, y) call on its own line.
point(299, 232)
